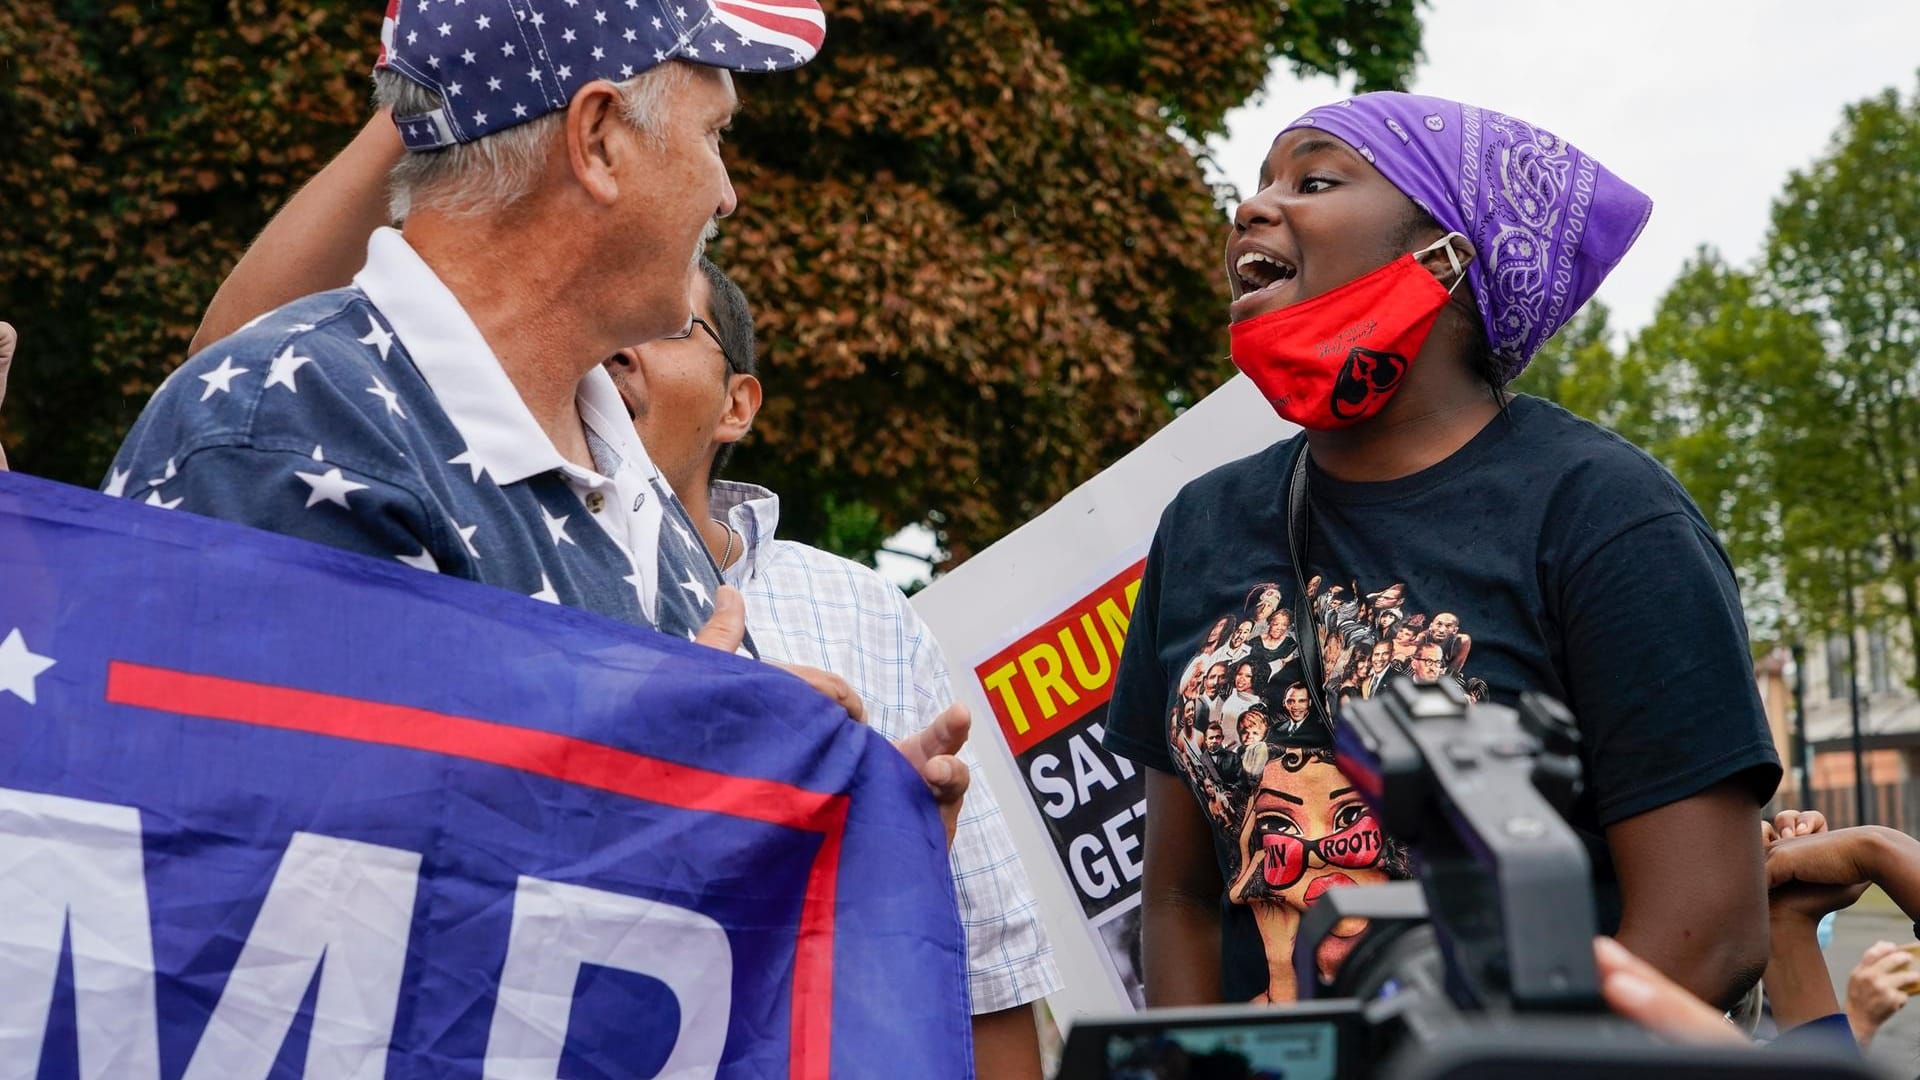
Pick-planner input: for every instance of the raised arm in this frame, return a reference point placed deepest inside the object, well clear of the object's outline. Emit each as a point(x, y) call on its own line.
point(317, 241)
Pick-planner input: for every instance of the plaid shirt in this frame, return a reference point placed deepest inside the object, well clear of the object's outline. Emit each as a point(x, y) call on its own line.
point(807, 606)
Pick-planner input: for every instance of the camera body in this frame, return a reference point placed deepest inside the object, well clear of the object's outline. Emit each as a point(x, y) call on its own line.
point(1482, 966)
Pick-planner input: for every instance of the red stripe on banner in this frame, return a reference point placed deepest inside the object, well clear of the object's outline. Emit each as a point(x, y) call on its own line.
point(560, 757)
point(810, 32)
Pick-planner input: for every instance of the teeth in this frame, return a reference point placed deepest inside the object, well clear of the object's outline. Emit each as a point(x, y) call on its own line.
point(1281, 271)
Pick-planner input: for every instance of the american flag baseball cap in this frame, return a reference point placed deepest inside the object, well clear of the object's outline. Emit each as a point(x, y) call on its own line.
point(497, 63)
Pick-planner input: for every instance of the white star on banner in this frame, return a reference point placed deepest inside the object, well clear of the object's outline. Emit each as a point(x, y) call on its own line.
point(693, 50)
point(377, 337)
point(626, 71)
point(533, 73)
point(564, 72)
point(379, 390)
point(656, 22)
point(484, 22)
point(479, 118)
point(494, 84)
point(422, 561)
point(599, 53)
point(117, 482)
point(453, 89)
point(470, 460)
point(699, 591)
point(170, 474)
point(317, 455)
point(557, 528)
point(744, 40)
point(519, 110)
point(329, 486)
point(679, 13)
point(445, 29)
point(770, 64)
point(600, 18)
point(629, 35)
point(220, 379)
point(659, 57)
point(506, 49)
point(413, 36)
point(433, 62)
point(19, 666)
point(546, 593)
point(719, 46)
point(284, 366)
point(466, 537)
point(153, 499)
point(567, 35)
point(467, 57)
point(539, 19)
point(633, 5)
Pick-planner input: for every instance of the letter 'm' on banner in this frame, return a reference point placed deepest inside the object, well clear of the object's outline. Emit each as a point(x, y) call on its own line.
point(72, 869)
point(344, 900)
point(558, 927)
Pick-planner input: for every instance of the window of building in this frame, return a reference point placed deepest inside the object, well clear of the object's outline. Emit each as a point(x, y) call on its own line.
point(1881, 678)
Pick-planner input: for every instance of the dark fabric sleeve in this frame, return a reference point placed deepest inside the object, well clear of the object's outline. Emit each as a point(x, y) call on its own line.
point(294, 495)
point(1659, 673)
point(1136, 713)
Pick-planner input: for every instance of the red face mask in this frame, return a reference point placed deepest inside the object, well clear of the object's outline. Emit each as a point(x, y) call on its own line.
point(1336, 359)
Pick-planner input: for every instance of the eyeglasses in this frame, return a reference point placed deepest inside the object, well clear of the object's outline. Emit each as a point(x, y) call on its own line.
point(1355, 847)
point(711, 333)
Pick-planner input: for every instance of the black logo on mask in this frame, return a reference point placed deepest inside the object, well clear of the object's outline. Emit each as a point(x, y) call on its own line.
point(1365, 375)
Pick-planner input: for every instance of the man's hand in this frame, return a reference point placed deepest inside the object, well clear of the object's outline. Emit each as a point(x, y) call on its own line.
point(1877, 988)
point(1637, 991)
point(1814, 874)
point(931, 751)
point(8, 338)
point(1788, 824)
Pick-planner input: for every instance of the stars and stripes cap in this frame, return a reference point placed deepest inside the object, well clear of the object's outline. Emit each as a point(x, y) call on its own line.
point(497, 63)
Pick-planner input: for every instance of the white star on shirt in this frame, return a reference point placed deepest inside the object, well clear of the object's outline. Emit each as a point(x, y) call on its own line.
point(693, 50)
point(557, 528)
point(494, 83)
point(519, 110)
point(720, 46)
point(19, 666)
point(117, 482)
point(679, 13)
point(680, 530)
point(171, 473)
point(317, 455)
point(153, 499)
point(629, 35)
point(539, 19)
point(379, 390)
point(284, 366)
point(599, 53)
point(422, 561)
point(600, 18)
point(698, 590)
point(329, 486)
point(656, 22)
point(466, 537)
point(413, 36)
point(467, 56)
point(484, 22)
point(659, 57)
point(377, 337)
point(626, 71)
point(220, 379)
point(479, 119)
point(445, 29)
point(633, 5)
point(567, 35)
point(472, 461)
point(564, 72)
point(533, 73)
point(546, 593)
point(506, 49)
point(453, 89)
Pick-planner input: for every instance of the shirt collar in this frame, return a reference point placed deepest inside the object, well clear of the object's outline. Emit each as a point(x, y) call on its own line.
point(465, 375)
point(752, 510)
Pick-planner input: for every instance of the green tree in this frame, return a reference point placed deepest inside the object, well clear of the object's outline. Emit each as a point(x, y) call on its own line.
point(982, 257)
point(1844, 251)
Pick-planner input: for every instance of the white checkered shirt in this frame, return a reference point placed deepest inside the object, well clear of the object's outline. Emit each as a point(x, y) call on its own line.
point(807, 606)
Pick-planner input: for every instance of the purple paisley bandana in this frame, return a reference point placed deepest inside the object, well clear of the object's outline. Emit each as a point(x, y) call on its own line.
point(1549, 222)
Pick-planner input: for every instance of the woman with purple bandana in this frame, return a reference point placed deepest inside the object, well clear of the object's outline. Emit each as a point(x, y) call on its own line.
point(1402, 259)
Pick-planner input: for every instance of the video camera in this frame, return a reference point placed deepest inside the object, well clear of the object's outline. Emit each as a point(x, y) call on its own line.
point(1481, 967)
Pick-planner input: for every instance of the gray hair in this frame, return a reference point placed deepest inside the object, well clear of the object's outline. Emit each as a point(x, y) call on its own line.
point(498, 169)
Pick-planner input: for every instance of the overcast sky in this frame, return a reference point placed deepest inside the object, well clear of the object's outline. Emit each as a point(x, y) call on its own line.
point(1703, 104)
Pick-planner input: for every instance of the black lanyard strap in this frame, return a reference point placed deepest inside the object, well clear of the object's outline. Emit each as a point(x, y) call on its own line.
point(1304, 630)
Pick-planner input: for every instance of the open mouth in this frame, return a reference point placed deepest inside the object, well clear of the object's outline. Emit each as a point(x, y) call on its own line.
point(1261, 278)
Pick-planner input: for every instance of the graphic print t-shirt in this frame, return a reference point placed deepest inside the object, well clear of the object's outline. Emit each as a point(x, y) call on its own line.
point(1547, 554)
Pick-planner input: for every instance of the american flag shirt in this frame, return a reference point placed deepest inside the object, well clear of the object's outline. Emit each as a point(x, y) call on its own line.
point(812, 607)
point(375, 418)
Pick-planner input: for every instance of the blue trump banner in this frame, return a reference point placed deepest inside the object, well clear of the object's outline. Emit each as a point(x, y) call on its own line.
point(269, 809)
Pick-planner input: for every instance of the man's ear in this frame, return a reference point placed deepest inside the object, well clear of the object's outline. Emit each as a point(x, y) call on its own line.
point(597, 137)
point(743, 404)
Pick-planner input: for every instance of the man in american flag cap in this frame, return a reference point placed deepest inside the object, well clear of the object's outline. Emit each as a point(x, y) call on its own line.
point(447, 409)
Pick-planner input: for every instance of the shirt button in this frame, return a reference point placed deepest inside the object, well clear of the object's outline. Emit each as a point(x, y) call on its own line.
point(595, 501)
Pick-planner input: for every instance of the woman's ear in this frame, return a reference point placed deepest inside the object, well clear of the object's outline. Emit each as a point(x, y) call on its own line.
point(1448, 258)
point(743, 404)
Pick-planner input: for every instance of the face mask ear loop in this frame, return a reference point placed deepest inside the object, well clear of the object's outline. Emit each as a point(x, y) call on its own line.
point(1445, 244)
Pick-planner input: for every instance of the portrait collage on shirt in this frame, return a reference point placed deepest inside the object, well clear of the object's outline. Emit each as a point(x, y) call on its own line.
point(1243, 731)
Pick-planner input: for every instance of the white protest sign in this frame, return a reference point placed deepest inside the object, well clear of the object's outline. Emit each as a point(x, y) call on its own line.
point(1032, 628)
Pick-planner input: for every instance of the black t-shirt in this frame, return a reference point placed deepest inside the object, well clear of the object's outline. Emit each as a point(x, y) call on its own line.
point(1547, 554)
